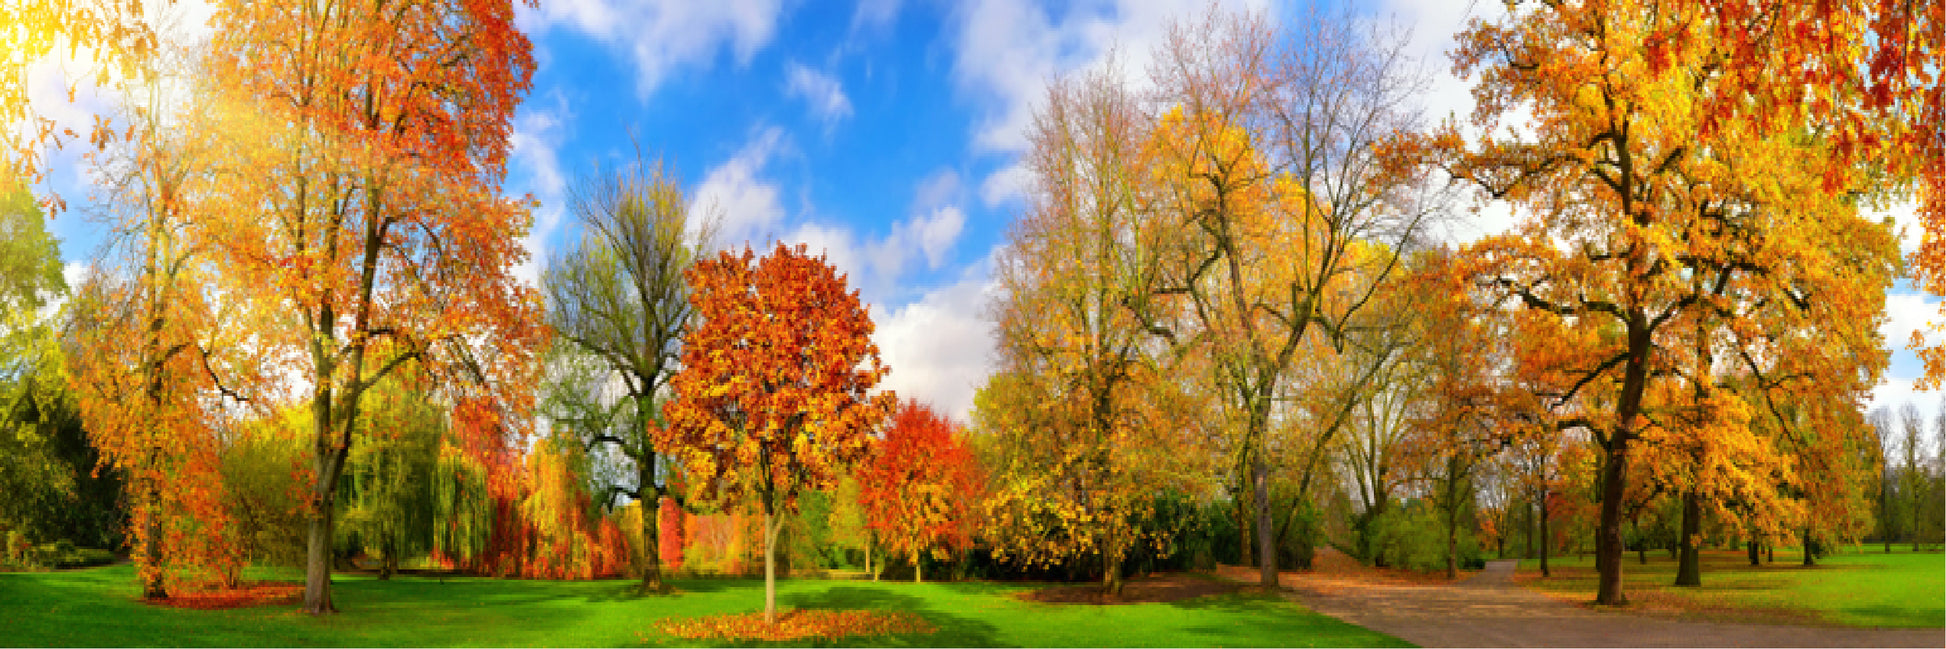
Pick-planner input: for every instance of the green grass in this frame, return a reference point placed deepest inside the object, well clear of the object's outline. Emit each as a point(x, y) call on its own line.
point(99, 607)
point(1868, 589)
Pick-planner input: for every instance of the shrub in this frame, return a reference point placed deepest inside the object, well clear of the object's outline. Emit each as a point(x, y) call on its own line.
point(18, 548)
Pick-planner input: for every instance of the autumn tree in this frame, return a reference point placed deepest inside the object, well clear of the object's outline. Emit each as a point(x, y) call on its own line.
point(366, 146)
point(775, 395)
point(1670, 173)
point(1067, 411)
point(922, 489)
point(618, 297)
point(121, 45)
point(1276, 163)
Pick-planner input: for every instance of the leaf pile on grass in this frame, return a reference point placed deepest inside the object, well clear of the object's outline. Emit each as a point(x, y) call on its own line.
point(796, 625)
point(260, 593)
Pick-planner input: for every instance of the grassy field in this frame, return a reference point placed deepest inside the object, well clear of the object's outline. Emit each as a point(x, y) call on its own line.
point(1869, 589)
point(99, 607)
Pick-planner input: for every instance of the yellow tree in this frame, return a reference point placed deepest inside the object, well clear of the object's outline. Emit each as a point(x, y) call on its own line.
point(775, 394)
point(364, 148)
point(1066, 408)
point(1276, 163)
point(1651, 199)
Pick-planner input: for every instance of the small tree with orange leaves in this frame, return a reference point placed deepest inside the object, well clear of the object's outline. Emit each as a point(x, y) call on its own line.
point(922, 489)
point(775, 392)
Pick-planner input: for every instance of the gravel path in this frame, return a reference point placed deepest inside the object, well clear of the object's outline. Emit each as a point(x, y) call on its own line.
point(1488, 610)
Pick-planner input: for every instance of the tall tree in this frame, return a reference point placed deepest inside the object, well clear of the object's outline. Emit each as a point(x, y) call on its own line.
point(922, 489)
point(367, 145)
point(1670, 170)
point(1276, 164)
point(1067, 409)
point(618, 297)
point(775, 395)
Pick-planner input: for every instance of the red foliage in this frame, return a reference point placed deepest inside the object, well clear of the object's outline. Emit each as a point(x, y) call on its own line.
point(796, 625)
point(248, 594)
point(669, 534)
point(922, 489)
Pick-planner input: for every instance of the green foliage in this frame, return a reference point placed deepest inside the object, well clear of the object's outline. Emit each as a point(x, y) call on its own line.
point(98, 608)
point(260, 471)
point(388, 482)
point(1412, 535)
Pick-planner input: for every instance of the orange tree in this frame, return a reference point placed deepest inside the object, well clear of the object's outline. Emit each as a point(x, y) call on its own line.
point(775, 391)
point(365, 146)
point(922, 488)
point(1677, 174)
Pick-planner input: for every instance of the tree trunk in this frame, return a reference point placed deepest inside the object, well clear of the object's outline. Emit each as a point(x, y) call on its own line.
point(1244, 541)
point(1529, 529)
point(1810, 549)
point(1545, 542)
point(650, 503)
point(317, 560)
point(1689, 569)
point(1111, 571)
point(1755, 557)
point(771, 523)
point(1266, 550)
point(918, 572)
point(868, 558)
point(1770, 553)
point(152, 587)
point(1452, 546)
point(1608, 536)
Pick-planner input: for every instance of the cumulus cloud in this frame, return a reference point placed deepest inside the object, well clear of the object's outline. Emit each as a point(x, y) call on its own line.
point(825, 96)
point(874, 15)
point(663, 35)
point(939, 347)
point(1007, 50)
point(536, 166)
point(739, 191)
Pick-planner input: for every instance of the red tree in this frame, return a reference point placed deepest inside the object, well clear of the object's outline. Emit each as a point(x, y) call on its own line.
point(922, 489)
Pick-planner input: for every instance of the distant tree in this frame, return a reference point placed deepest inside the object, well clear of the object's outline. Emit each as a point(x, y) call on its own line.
point(617, 299)
point(775, 395)
point(922, 488)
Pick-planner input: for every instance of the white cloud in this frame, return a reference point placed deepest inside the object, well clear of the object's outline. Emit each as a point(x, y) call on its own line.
point(1005, 183)
point(536, 158)
point(1007, 50)
point(1907, 313)
point(663, 35)
point(822, 92)
point(874, 14)
point(738, 191)
point(940, 348)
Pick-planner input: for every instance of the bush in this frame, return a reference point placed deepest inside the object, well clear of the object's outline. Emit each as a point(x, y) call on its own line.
point(19, 549)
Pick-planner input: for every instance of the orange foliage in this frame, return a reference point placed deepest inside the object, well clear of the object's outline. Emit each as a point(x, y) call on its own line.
point(796, 625)
point(923, 488)
point(775, 392)
point(545, 529)
point(670, 533)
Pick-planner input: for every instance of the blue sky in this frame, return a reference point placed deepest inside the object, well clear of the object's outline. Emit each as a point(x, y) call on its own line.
point(884, 132)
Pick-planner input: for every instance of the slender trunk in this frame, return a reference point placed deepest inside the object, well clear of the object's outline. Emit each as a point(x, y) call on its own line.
point(1529, 528)
point(1810, 549)
point(868, 558)
point(1689, 569)
point(152, 587)
point(1770, 553)
point(650, 503)
point(1452, 546)
point(918, 572)
point(1111, 570)
point(771, 523)
point(1755, 558)
point(1244, 540)
point(1267, 552)
point(1545, 542)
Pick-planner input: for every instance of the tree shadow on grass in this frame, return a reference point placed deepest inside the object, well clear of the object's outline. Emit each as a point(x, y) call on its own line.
point(953, 630)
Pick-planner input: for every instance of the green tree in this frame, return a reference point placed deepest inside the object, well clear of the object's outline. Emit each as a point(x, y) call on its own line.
point(619, 303)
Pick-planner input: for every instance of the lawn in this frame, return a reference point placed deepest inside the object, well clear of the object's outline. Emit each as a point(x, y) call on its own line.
point(98, 607)
point(1868, 589)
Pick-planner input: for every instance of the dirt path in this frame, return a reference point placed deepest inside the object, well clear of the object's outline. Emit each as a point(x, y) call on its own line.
point(1488, 610)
